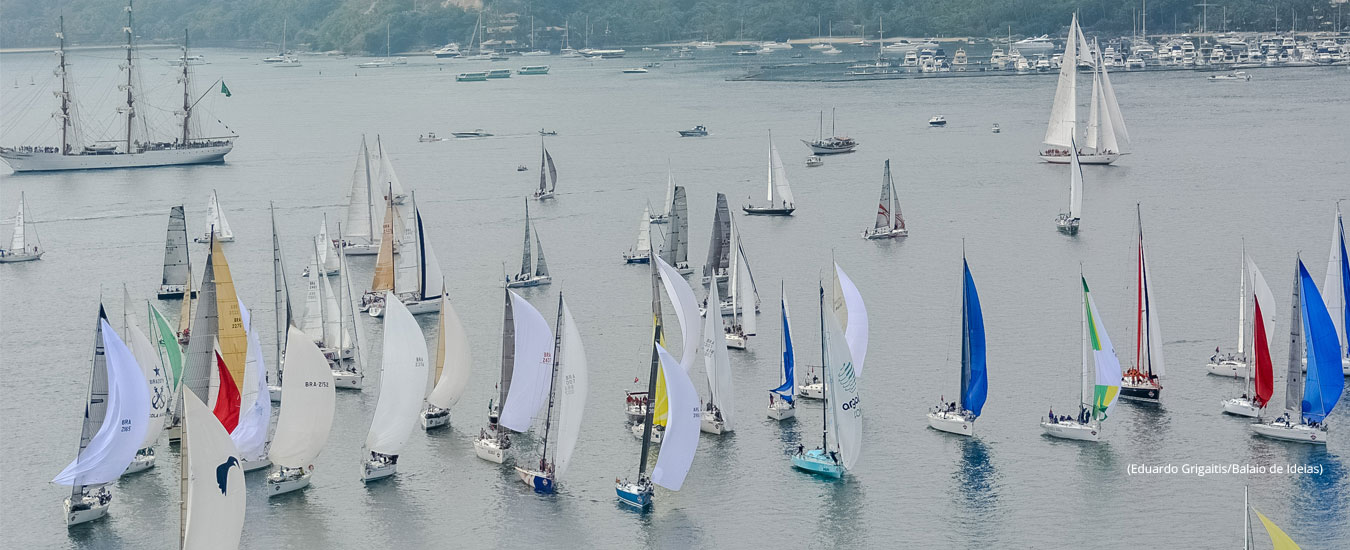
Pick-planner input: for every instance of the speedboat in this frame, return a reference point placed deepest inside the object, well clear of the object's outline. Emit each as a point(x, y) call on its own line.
point(544, 132)
point(634, 70)
point(937, 121)
point(697, 131)
point(814, 161)
point(1235, 75)
point(995, 129)
point(430, 136)
point(476, 133)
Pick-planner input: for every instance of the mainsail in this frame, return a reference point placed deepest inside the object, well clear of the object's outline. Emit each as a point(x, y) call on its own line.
point(1336, 285)
point(719, 247)
point(779, 192)
point(716, 363)
point(175, 250)
point(1148, 348)
point(533, 359)
point(216, 221)
point(362, 216)
point(1064, 111)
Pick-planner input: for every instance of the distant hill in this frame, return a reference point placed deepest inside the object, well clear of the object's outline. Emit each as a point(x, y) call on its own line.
point(359, 25)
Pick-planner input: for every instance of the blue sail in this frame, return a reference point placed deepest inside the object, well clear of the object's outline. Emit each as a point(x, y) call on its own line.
point(1323, 386)
point(787, 389)
point(974, 382)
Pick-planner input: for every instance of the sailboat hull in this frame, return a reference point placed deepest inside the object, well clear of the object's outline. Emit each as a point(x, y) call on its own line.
point(1300, 433)
point(88, 509)
point(353, 249)
point(274, 393)
point(280, 484)
point(374, 470)
point(811, 391)
point(883, 233)
point(142, 462)
point(767, 211)
point(819, 149)
point(1143, 393)
point(173, 291)
point(22, 161)
point(1083, 158)
point(435, 417)
point(817, 462)
point(633, 494)
point(636, 258)
point(345, 379)
point(532, 281)
point(782, 410)
point(951, 423)
point(415, 307)
point(711, 425)
point(15, 258)
point(539, 481)
point(657, 432)
point(735, 340)
point(1067, 226)
point(489, 450)
point(1241, 406)
point(1234, 369)
point(1071, 430)
point(255, 465)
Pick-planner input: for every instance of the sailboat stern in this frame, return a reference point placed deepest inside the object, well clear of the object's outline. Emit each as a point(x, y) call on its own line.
point(489, 449)
point(87, 508)
point(287, 480)
point(144, 460)
point(955, 423)
point(1069, 429)
point(637, 495)
point(347, 379)
point(541, 482)
point(434, 417)
point(782, 410)
point(1143, 391)
point(816, 461)
point(1284, 431)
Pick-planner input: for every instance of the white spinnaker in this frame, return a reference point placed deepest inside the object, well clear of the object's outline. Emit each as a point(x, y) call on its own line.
point(306, 415)
point(852, 314)
point(454, 360)
point(157, 379)
point(716, 362)
point(686, 310)
point(255, 403)
point(680, 441)
point(403, 379)
point(572, 387)
point(842, 386)
point(532, 368)
point(125, 420)
point(215, 493)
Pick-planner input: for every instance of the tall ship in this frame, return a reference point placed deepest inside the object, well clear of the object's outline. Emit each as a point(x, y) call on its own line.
point(137, 147)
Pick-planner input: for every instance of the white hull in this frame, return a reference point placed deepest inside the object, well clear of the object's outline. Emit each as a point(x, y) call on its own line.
point(142, 462)
point(343, 379)
point(1239, 406)
point(416, 307)
point(434, 418)
point(373, 470)
point(1083, 158)
point(711, 425)
point(43, 162)
point(95, 510)
point(657, 431)
point(278, 486)
point(781, 410)
point(951, 423)
point(735, 340)
point(15, 258)
point(1301, 433)
point(489, 450)
point(274, 393)
point(1069, 429)
point(354, 249)
point(878, 234)
point(811, 391)
point(1235, 369)
point(532, 281)
point(255, 465)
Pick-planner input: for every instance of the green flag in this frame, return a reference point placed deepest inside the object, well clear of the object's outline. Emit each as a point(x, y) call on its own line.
point(224, 90)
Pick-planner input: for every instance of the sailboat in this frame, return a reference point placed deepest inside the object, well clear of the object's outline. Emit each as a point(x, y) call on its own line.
point(386, 61)
point(171, 357)
point(960, 418)
point(676, 249)
point(1308, 400)
point(744, 304)
point(531, 273)
point(1259, 380)
point(283, 58)
point(22, 246)
point(719, 410)
point(156, 375)
point(779, 192)
point(676, 401)
point(387, 179)
point(250, 434)
point(890, 221)
point(1086, 426)
point(567, 386)
point(361, 238)
point(217, 226)
point(453, 364)
point(526, 340)
point(849, 308)
point(348, 374)
point(567, 50)
point(403, 382)
point(116, 417)
point(281, 306)
point(177, 269)
point(417, 279)
point(548, 174)
point(136, 147)
point(1235, 364)
point(323, 317)
point(1336, 288)
point(719, 246)
point(217, 351)
point(1067, 222)
point(842, 408)
point(327, 253)
point(782, 399)
point(1107, 136)
point(833, 145)
point(665, 215)
point(211, 481)
point(1143, 381)
point(641, 251)
point(1278, 539)
point(306, 417)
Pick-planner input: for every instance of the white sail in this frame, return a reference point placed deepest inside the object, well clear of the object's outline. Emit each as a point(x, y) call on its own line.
point(884, 203)
point(1152, 342)
point(327, 250)
point(255, 403)
point(670, 191)
point(842, 389)
point(453, 361)
point(745, 291)
point(1118, 134)
point(716, 363)
point(852, 314)
point(388, 179)
point(157, 379)
point(1064, 111)
point(1265, 299)
point(124, 419)
point(532, 368)
point(216, 220)
point(1333, 295)
point(362, 216)
point(1108, 132)
point(644, 240)
point(403, 380)
point(572, 382)
point(335, 334)
point(780, 193)
point(17, 242)
point(312, 319)
point(306, 415)
point(1075, 186)
point(408, 267)
point(680, 441)
point(215, 481)
point(686, 310)
point(1094, 124)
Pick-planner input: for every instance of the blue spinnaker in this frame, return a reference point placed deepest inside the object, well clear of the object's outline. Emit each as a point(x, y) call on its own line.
point(1325, 382)
point(974, 382)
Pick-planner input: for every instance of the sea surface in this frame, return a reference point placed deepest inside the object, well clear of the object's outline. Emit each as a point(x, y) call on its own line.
point(1215, 166)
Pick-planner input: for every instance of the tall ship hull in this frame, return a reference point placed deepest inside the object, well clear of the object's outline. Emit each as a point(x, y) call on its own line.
point(23, 161)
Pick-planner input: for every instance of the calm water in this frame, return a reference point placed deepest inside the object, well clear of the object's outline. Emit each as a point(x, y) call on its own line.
point(1214, 163)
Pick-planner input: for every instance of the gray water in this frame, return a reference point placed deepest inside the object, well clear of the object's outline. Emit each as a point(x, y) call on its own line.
point(1214, 163)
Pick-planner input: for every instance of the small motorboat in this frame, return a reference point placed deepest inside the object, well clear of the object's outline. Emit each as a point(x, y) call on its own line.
point(937, 121)
point(544, 132)
point(521, 168)
point(1235, 75)
point(429, 137)
point(814, 161)
point(476, 133)
point(697, 131)
point(635, 70)
point(995, 129)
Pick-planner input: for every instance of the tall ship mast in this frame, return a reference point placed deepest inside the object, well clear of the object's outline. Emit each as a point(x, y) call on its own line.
point(76, 152)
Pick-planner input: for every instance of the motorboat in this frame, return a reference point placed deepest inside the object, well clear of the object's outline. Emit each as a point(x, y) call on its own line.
point(635, 70)
point(499, 73)
point(814, 161)
point(476, 133)
point(995, 129)
point(697, 131)
point(937, 121)
point(1235, 75)
point(533, 70)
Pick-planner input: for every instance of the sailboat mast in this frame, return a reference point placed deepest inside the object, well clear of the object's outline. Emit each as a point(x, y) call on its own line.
point(1140, 295)
point(1246, 522)
point(281, 299)
point(131, 99)
point(350, 303)
point(183, 462)
point(824, 379)
point(553, 374)
point(370, 199)
point(1082, 392)
point(656, 362)
point(187, 99)
point(65, 85)
point(965, 336)
point(769, 192)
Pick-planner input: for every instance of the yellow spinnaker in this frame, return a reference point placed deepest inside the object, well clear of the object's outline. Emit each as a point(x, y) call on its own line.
point(233, 339)
point(662, 410)
point(1280, 540)
point(384, 262)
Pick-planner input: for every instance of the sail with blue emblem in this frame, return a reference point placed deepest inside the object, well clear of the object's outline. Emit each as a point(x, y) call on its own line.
point(1336, 288)
point(788, 388)
point(974, 384)
point(1324, 383)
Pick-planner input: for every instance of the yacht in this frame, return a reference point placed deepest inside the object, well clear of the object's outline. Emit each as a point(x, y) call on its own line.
point(959, 60)
point(1039, 44)
point(937, 121)
point(447, 51)
point(814, 161)
point(476, 133)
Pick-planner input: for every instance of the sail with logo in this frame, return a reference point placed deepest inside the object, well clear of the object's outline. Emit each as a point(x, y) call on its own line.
point(841, 437)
